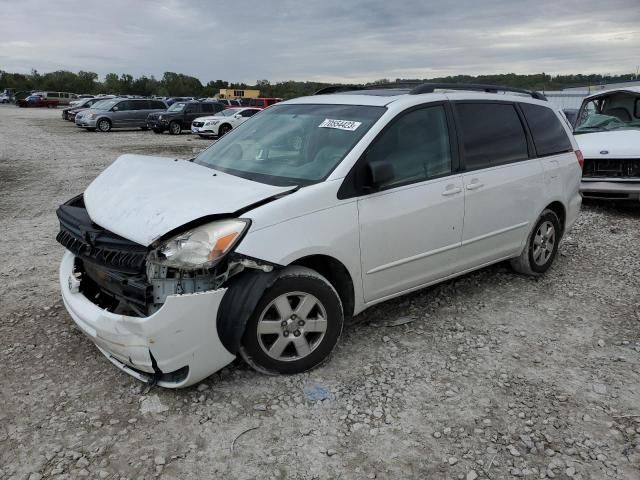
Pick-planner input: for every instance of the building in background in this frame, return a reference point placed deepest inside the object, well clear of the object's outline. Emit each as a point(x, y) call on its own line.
point(235, 93)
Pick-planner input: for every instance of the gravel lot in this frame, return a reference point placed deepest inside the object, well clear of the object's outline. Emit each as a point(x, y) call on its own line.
point(493, 375)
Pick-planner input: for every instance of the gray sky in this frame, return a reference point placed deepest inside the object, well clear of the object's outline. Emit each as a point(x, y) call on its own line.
point(323, 40)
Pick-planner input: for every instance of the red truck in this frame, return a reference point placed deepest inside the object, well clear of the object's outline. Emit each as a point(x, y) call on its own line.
point(263, 102)
point(38, 101)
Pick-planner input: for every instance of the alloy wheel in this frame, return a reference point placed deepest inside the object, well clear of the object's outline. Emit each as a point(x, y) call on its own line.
point(292, 326)
point(544, 243)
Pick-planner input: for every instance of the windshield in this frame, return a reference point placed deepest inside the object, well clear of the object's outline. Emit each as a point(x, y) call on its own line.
point(177, 107)
point(291, 144)
point(104, 104)
point(611, 112)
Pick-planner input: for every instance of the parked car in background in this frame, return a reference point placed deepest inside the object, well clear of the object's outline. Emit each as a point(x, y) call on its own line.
point(608, 132)
point(37, 101)
point(318, 209)
point(5, 98)
point(171, 100)
point(62, 98)
point(69, 113)
point(228, 102)
point(223, 122)
point(263, 102)
point(180, 115)
point(119, 113)
point(79, 99)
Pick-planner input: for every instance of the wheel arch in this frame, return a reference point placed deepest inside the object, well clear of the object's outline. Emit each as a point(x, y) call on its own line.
point(559, 209)
point(99, 119)
point(336, 273)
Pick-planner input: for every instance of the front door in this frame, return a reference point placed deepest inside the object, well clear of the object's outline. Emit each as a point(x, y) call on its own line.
point(410, 230)
point(192, 112)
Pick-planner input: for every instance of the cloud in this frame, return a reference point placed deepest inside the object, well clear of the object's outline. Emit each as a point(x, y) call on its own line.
point(328, 40)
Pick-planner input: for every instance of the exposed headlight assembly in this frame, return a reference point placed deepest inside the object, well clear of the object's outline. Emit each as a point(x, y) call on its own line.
point(200, 247)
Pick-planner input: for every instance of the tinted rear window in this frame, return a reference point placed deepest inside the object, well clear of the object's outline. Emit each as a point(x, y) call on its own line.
point(492, 134)
point(549, 136)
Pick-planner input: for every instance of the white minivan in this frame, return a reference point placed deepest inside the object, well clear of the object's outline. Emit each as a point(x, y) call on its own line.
point(308, 213)
point(608, 133)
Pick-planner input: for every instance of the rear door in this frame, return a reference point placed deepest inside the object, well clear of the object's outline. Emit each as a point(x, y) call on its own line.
point(410, 230)
point(503, 181)
point(140, 111)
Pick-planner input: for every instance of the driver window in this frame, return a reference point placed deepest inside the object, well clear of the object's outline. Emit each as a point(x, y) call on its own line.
point(417, 146)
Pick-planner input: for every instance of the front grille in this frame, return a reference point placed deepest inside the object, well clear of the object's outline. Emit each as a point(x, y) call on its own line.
point(111, 268)
point(611, 168)
point(198, 124)
point(93, 243)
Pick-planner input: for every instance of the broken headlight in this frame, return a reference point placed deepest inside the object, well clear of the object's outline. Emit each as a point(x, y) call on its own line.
point(200, 247)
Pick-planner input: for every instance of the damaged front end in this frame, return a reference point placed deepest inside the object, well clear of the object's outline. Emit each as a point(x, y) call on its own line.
point(160, 312)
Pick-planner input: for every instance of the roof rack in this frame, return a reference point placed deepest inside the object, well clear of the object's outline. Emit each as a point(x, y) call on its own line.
point(430, 87)
point(378, 86)
point(417, 88)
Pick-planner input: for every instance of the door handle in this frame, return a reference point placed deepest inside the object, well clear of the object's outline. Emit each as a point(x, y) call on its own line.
point(474, 185)
point(451, 191)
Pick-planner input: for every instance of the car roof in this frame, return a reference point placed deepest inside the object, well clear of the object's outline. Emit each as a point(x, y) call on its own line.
point(614, 90)
point(386, 97)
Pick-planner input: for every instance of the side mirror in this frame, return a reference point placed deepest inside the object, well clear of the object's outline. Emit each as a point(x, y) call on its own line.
point(379, 172)
point(237, 115)
point(114, 109)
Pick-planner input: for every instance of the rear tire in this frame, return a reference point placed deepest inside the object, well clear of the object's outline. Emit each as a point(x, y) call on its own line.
point(175, 128)
point(296, 324)
point(542, 246)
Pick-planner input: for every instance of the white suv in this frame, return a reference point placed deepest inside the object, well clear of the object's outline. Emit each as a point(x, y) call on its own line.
point(313, 211)
point(222, 122)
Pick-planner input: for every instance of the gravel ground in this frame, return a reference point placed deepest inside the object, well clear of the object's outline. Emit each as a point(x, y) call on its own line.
point(493, 375)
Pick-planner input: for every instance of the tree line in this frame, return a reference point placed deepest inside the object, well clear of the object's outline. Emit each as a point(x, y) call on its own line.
point(178, 84)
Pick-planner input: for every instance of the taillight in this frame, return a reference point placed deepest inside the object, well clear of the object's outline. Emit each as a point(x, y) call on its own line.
point(580, 158)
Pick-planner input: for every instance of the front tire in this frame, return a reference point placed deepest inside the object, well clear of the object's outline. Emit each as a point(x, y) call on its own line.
point(103, 125)
point(175, 128)
point(542, 246)
point(223, 129)
point(296, 324)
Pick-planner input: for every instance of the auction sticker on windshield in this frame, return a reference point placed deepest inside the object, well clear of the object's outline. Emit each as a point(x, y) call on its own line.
point(340, 124)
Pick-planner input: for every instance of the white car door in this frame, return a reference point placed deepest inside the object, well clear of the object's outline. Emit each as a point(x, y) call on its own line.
point(503, 181)
point(411, 226)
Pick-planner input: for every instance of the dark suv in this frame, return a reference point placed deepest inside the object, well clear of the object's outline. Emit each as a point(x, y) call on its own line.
point(180, 115)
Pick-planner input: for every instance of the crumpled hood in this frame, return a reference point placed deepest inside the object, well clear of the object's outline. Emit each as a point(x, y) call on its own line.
point(142, 198)
point(617, 144)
